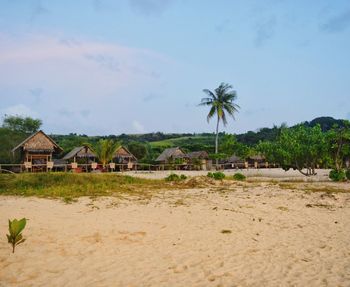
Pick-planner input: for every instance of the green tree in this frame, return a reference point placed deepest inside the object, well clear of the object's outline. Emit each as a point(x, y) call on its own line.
point(105, 150)
point(138, 149)
point(221, 103)
point(26, 125)
point(298, 148)
point(338, 140)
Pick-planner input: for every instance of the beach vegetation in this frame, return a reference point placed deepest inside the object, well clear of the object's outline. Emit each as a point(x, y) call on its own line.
point(15, 232)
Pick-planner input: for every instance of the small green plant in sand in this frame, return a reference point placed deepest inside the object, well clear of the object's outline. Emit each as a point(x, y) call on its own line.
point(337, 175)
point(175, 177)
point(239, 176)
point(15, 228)
point(216, 175)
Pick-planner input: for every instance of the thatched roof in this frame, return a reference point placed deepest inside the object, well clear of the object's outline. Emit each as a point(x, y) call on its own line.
point(198, 154)
point(80, 152)
point(123, 152)
point(234, 159)
point(257, 157)
point(174, 152)
point(38, 142)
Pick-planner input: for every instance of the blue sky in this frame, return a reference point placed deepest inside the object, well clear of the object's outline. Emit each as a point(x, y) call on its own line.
point(110, 67)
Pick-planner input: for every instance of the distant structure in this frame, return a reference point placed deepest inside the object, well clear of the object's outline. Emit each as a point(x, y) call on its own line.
point(123, 156)
point(171, 154)
point(37, 149)
point(200, 159)
point(81, 154)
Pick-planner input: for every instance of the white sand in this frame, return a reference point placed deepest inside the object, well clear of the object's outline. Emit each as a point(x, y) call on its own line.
point(175, 239)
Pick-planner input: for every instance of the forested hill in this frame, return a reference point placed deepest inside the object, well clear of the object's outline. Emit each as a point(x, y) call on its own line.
point(153, 144)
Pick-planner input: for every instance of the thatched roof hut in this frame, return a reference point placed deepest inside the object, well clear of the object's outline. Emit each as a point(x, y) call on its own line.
point(81, 152)
point(37, 148)
point(123, 155)
point(198, 155)
point(235, 159)
point(171, 153)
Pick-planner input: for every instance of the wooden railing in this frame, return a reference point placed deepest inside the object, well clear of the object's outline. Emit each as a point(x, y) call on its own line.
point(18, 168)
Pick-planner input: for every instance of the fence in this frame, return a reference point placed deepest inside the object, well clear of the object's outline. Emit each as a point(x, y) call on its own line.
point(94, 167)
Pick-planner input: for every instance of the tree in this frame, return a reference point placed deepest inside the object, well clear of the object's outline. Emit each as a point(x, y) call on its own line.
point(338, 140)
point(26, 125)
point(221, 103)
point(105, 150)
point(298, 148)
point(138, 149)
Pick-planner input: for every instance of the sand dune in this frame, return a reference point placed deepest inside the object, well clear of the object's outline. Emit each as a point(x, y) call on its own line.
point(230, 235)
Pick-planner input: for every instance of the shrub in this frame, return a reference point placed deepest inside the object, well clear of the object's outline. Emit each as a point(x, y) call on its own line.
point(175, 177)
point(216, 175)
point(347, 173)
point(239, 176)
point(15, 228)
point(337, 175)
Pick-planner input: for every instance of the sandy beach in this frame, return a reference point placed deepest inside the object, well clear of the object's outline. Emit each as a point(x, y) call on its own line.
point(228, 234)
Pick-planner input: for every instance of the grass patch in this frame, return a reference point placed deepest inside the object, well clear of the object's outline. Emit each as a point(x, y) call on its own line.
point(69, 186)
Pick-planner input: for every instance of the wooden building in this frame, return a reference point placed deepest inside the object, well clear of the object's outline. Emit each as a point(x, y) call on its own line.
point(170, 155)
point(235, 162)
point(37, 149)
point(81, 154)
point(123, 156)
point(200, 160)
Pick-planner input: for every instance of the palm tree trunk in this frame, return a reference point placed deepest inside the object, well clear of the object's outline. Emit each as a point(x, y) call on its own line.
point(217, 140)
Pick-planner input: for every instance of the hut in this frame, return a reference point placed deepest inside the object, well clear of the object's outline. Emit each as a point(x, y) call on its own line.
point(199, 159)
point(235, 162)
point(123, 156)
point(37, 149)
point(169, 155)
point(257, 161)
point(83, 154)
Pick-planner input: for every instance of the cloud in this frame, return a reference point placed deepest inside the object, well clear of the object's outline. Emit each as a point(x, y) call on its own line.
point(265, 30)
point(139, 128)
point(77, 85)
point(38, 10)
point(104, 60)
point(149, 7)
point(19, 110)
point(338, 23)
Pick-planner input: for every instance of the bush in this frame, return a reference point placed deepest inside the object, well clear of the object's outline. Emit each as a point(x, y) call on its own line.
point(337, 175)
point(216, 175)
point(175, 177)
point(347, 173)
point(239, 176)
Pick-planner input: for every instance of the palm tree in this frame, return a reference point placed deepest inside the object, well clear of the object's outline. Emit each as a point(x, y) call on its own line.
point(221, 102)
point(105, 150)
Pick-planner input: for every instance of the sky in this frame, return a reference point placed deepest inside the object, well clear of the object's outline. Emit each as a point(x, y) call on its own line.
point(101, 67)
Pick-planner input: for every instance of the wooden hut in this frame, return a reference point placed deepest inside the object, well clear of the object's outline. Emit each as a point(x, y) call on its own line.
point(199, 159)
point(235, 162)
point(37, 149)
point(82, 154)
point(257, 161)
point(170, 155)
point(123, 156)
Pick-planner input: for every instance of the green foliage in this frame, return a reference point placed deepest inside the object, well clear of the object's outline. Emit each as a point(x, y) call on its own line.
point(347, 173)
point(175, 177)
point(105, 150)
point(239, 176)
point(26, 125)
point(138, 149)
point(15, 228)
point(337, 175)
point(8, 140)
point(216, 175)
point(298, 148)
